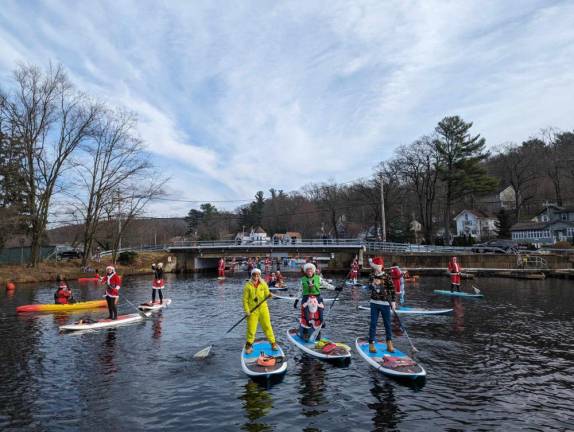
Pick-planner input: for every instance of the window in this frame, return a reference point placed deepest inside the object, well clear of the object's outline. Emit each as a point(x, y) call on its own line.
point(564, 216)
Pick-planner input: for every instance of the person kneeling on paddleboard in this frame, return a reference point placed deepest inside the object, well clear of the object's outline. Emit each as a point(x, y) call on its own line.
point(256, 291)
point(382, 299)
point(454, 269)
point(311, 317)
point(157, 284)
point(113, 282)
point(63, 294)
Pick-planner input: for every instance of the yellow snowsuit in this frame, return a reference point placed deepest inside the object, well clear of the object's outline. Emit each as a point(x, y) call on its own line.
point(252, 297)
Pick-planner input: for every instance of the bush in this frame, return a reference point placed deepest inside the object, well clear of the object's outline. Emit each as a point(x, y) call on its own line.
point(562, 245)
point(127, 258)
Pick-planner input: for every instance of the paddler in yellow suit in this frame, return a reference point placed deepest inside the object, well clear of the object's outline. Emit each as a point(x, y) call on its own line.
point(254, 292)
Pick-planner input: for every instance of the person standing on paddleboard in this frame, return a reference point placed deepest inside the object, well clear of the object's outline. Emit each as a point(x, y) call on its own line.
point(382, 299)
point(256, 291)
point(354, 273)
point(454, 269)
point(311, 287)
point(113, 282)
point(221, 268)
point(398, 281)
point(158, 283)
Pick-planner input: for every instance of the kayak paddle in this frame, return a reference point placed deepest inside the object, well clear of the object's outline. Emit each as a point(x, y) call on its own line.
point(205, 351)
point(318, 329)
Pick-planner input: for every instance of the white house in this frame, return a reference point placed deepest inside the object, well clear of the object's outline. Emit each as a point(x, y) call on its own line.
point(475, 223)
point(257, 236)
point(504, 199)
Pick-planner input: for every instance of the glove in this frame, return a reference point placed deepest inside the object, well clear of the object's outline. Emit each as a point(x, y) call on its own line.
point(295, 304)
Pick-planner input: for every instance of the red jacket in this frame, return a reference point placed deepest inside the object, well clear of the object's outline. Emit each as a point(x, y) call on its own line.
point(396, 275)
point(113, 283)
point(62, 296)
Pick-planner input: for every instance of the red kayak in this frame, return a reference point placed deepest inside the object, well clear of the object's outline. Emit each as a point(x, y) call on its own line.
point(89, 279)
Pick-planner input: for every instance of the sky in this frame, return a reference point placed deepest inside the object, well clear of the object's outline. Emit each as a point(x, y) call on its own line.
point(235, 97)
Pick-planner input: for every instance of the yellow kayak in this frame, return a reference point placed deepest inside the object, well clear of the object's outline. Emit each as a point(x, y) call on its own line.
point(61, 307)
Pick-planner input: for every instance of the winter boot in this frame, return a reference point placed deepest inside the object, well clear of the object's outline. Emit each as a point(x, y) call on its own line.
point(372, 347)
point(248, 348)
point(390, 347)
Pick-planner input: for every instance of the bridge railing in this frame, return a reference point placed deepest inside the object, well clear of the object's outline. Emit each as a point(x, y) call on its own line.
point(266, 243)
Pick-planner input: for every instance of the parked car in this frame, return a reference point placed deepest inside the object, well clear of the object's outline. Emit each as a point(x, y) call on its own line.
point(496, 246)
point(67, 252)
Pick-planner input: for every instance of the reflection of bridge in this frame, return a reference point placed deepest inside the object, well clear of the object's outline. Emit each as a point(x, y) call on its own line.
point(199, 255)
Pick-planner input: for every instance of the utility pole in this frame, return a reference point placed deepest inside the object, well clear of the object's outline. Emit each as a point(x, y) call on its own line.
point(383, 223)
point(119, 221)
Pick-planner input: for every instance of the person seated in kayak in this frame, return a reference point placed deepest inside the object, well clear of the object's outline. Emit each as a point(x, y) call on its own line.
point(63, 294)
point(311, 285)
point(382, 300)
point(256, 291)
point(311, 317)
point(272, 281)
point(454, 270)
point(113, 282)
point(157, 284)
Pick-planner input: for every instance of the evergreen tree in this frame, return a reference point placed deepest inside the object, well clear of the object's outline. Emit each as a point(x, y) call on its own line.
point(503, 224)
point(460, 157)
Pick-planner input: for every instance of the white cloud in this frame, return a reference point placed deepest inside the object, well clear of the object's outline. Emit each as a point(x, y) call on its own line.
point(239, 97)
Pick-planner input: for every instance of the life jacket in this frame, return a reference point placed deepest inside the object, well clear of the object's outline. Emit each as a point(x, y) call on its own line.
point(265, 360)
point(311, 286)
point(62, 295)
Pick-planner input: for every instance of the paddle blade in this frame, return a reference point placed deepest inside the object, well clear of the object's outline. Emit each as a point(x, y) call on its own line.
point(203, 353)
point(476, 290)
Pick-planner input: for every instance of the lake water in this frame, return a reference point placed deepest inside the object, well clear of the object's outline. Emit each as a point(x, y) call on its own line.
point(505, 362)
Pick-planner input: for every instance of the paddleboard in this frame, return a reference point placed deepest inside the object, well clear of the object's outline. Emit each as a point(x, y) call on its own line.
point(406, 310)
point(61, 307)
point(249, 361)
point(396, 364)
point(149, 306)
point(351, 283)
point(221, 278)
point(458, 294)
point(338, 353)
point(278, 289)
point(103, 323)
point(293, 298)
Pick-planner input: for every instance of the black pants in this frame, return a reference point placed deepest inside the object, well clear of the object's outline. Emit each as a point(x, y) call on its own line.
point(112, 307)
point(153, 290)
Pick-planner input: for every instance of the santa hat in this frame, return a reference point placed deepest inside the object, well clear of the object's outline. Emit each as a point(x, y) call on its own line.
point(377, 264)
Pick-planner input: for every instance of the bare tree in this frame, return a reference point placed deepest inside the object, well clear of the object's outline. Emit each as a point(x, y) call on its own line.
point(51, 120)
point(113, 157)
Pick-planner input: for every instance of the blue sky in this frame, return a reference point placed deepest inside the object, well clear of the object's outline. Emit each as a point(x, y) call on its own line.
point(234, 97)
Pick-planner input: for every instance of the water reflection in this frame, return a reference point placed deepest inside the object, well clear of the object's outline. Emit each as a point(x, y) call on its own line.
point(108, 353)
point(312, 386)
point(458, 315)
point(387, 414)
point(156, 326)
point(257, 403)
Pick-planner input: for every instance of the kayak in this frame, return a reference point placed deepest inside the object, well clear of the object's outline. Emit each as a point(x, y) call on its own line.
point(102, 323)
point(396, 364)
point(156, 305)
point(406, 310)
point(252, 366)
point(88, 279)
point(458, 294)
point(61, 307)
point(335, 353)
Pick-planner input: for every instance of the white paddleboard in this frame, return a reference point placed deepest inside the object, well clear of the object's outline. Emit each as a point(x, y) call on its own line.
point(339, 353)
point(249, 361)
point(103, 323)
point(406, 310)
point(458, 294)
point(155, 306)
point(396, 364)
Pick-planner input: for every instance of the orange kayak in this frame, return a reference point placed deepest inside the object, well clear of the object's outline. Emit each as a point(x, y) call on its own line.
point(62, 307)
point(89, 279)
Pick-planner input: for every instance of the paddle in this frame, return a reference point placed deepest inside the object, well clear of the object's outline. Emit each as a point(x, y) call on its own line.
point(404, 329)
point(476, 290)
point(318, 329)
point(142, 313)
point(205, 351)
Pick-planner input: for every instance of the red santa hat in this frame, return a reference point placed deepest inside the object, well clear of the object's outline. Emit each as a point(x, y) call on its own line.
point(377, 264)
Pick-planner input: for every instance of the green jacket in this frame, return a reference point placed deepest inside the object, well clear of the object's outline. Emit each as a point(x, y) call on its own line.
point(311, 286)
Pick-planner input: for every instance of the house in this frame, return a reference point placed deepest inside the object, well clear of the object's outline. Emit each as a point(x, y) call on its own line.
point(504, 199)
point(256, 236)
point(550, 225)
point(290, 237)
point(475, 223)
point(416, 228)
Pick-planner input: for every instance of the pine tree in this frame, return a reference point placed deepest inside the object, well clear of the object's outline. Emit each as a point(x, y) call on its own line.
point(460, 157)
point(503, 224)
